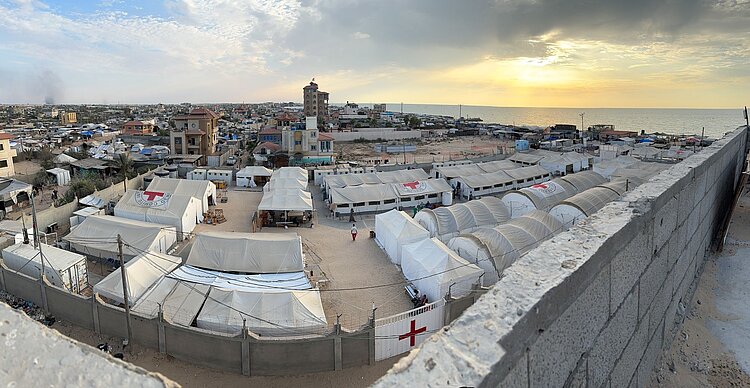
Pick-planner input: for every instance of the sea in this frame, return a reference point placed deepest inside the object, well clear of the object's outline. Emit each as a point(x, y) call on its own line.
point(673, 121)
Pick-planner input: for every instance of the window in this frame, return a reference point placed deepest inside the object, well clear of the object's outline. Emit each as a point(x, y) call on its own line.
point(313, 135)
point(432, 196)
point(298, 142)
point(3, 163)
point(342, 205)
point(529, 179)
point(373, 203)
point(390, 201)
point(313, 148)
point(486, 187)
point(359, 204)
point(178, 140)
point(2, 147)
point(419, 197)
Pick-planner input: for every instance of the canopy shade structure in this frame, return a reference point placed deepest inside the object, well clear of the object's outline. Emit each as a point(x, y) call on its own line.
point(96, 236)
point(286, 199)
point(249, 283)
point(436, 270)
point(449, 221)
point(290, 172)
point(285, 183)
point(203, 190)
point(642, 170)
point(283, 313)
point(142, 272)
point(11, 188)
point(180, 301)
point(181, 211)
point(543, 196)
point(605, 168)
point(395, 229)
point(246, 176)
point(495, 249)
point(247, 252)
point(584, 204)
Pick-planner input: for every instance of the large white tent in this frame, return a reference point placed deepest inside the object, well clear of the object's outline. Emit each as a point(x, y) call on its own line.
point(247, 252)
point(582, 205)
point(180, 301)
point(543, 196)
point(449, 221)
point(395, 229)
point(436, 270)
point(285, 183)
point(282, 313)
point(387, 196)
point(242, 282)
point(374, 178)
point(286, 200)
point(246, 176)
point(96, 236)
point(204, 191)
point(290, 172)
point(142, 273)
point(181, 211)
point(494, 249)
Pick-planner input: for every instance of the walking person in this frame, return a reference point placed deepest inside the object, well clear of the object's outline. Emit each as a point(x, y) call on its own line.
point(354, 232)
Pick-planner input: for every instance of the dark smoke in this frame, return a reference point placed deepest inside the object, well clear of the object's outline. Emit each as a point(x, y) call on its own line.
point(51, 86)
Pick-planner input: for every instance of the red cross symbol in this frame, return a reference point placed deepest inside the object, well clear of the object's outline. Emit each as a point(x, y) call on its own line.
point(152, 195)
point(412, 334)
point(540, 186)
point(412, 185)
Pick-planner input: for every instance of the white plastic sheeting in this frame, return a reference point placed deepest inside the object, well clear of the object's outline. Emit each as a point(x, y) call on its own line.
point(494, 249)
point(286, 199)
point(247, 252)
point(249, 283)
point(395, 229)
point(246, 176)
point(282, 313)
point(282, 183)
point(142, 273)
point(62, 176)
point(451, 172)
point(96, 236)
point(92, 200)
point(204, 191)
point(586, 203)
point(449, 221)
point(544, 196)
point(180, 301)
point(374, 178)
point(434, 269)
point(290, 172)
point(183, 212)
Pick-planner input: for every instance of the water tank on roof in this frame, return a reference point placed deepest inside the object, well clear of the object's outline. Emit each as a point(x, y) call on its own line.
point(172, 170)
point(147, 180)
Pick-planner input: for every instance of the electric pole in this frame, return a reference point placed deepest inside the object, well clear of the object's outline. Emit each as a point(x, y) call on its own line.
point(125, 293)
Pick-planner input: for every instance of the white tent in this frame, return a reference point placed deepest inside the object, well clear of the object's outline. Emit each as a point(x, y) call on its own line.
point(494, 249)
point(290, 172)
point(436, 270)
point(62, 268)
point(247, 252)
point(286, 199)
point(93, 200)
point(282, 313)
point(181, 211)
point(582, 205)
point(543, 196)
point(246, 176)
point(374, 178)
point(204, 191)
point(96, 236)
point(81, 214)
point(180, 301)
point(142, 273)
point(283, 183)
point(395, 229)
point(449, 221)
point(62, 176)
point(250, 283)
point(63, 159)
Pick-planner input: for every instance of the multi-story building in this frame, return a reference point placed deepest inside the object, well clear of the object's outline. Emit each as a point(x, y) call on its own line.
point(67, 118)
point(315, 102)
point(306, 145)
point(6, 156)
point(195, 133)
point(138, 127)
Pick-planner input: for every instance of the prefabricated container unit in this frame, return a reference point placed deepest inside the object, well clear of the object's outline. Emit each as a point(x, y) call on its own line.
point(198, 174)
point(220, 175)
point(62, 268)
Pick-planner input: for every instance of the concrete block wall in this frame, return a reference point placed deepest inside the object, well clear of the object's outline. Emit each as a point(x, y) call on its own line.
point(596, 305)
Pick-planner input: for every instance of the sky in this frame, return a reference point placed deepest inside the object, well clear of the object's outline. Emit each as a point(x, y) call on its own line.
point(539, 53)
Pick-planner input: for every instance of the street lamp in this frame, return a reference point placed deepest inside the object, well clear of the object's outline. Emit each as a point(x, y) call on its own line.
point(582, 114)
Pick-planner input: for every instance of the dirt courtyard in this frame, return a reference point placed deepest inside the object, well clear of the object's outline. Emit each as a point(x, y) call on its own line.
point(435, 149)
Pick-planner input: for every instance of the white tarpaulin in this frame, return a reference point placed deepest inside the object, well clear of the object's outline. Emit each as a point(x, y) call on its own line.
point(395, 229)
point(422, 187)
point(142, 272)
point(283, 313)
point(152, 199)
point(246, 176)
point(290, 172)
point(247, 252)
point(203, 190)
point(374, 178)
point(285, 183)
point(92, 200)
point(359, 194)
point(543, 196)
point(182, 211)
point(180, 301)
point(448, 221)
point(96, 236)
point(286, 199)
point(249, 283)
point(434, 269)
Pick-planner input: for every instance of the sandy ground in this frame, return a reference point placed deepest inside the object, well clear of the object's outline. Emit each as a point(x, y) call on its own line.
point(27, 167)
point(428, 150)
point(713, 346)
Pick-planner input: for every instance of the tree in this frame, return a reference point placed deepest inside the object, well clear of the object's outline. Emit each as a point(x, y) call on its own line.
point(124, 164)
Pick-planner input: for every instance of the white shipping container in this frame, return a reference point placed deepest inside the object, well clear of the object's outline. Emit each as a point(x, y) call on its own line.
point(62, 268)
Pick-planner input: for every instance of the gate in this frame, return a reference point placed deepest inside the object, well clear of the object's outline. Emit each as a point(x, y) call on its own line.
point(402, 332)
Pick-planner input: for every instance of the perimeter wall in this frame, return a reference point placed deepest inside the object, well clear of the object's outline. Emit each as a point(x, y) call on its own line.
point(594, 306)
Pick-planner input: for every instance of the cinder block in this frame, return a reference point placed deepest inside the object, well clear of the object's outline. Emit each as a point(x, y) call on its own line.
point(665, 222)
point(555, 353)
point(681, 268)
point(579, 378)
point(675, 245)
point(700, 186)
point(626, 366)
point(653, 351)
point(685, 282)
point(692, 223)
point(628, 265)
point(660, 305)
point(612, 340)
point(518, 377)
point(651, 282)
point(686, 200)
point(671, 320)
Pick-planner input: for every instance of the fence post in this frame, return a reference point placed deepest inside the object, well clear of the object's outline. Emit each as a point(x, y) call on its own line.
point(162, 335)
point(245, 352)
point(2, 279)
point(337, 360)
point(372, 338)
point(43, 290)
point(95, 314)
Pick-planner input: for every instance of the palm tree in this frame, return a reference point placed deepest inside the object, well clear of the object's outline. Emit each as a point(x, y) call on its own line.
point(124, 163)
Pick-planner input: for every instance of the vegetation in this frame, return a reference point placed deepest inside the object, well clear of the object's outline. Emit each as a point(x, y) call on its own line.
point(124, 164)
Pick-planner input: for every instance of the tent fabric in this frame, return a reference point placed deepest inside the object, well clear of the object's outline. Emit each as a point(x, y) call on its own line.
point(180, 301)
point(249, 283)
point(527, 172)
point(291, 172)
point(543, 196)
point(584, 180)
point(584, 204)
point(282, 313)
point(253, 171)
point(142, 272)
point(183, 211)
point(435, 270)
point(247, 252)
point(356, 194)
point(92, 200)
point(394, 229)
point(63, 159)
point(286, 199)
point(199, 189)
point(96, 236)
point(10, 188)
point(285, 183)
point(486, 179)
point(374, 178)
point(422, 187)
point(449, 221)
point(494, 249)
point(465, 170)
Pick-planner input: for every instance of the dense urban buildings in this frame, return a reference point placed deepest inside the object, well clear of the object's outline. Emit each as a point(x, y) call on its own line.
point(315, 101)
point(195, 133)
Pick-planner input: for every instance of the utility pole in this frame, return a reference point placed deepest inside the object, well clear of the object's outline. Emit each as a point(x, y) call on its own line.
point(582, 114)
point(125, 293)
point(703, 132)
point(37, 244)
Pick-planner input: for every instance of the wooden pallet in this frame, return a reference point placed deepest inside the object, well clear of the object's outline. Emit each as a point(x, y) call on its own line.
point(219, 216)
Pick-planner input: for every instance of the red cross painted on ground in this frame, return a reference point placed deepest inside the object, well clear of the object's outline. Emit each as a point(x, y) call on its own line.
point(412, 334)
point(152, 195)
point(412, 185)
